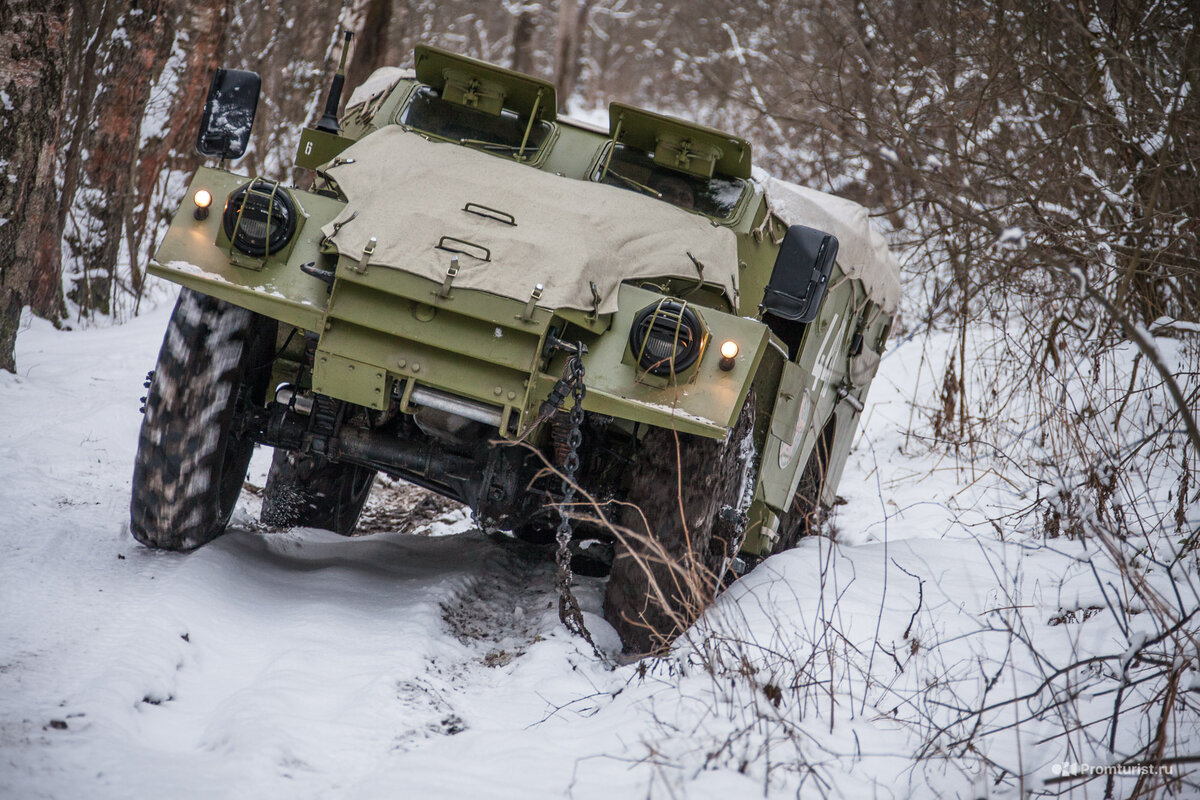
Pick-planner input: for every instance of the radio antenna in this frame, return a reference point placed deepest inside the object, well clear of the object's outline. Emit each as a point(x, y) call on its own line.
point(329, 121)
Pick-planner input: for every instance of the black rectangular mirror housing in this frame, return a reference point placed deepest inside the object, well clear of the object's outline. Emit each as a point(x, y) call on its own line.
point(228, 114)
point(801, 274)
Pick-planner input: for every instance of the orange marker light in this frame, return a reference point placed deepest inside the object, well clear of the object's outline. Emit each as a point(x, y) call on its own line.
point(729, 351)
point(203, 199)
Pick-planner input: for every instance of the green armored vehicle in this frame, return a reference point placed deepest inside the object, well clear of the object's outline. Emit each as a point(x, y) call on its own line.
point(539, 318)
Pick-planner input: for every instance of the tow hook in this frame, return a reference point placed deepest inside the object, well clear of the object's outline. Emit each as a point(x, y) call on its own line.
point(556, 345)
point(311, 268)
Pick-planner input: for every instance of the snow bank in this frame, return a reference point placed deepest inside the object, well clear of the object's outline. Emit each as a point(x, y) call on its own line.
point(303, 664)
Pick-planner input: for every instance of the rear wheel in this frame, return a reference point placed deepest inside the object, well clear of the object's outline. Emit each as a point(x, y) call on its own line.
point(683, 526)
point(192, 456)
point(311, 491)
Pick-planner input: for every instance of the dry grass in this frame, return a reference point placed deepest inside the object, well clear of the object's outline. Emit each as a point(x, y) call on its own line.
point(397, 506)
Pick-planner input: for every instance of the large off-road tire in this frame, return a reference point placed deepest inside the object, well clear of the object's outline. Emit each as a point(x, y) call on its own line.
point(215, 361)
point(313, 492)
point(684, 527)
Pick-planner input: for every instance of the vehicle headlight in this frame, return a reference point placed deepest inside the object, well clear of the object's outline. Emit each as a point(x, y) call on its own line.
point(259, 218)
point(666, 337)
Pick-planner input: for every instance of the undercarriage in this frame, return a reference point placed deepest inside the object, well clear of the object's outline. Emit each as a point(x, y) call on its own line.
point(510, 485)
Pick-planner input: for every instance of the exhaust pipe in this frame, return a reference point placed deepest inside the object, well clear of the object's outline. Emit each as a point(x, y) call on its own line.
point(461, 406)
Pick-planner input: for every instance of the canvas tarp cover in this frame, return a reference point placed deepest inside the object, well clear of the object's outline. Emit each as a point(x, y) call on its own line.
point(408, 193)
point(862, 251)
point(377, 83)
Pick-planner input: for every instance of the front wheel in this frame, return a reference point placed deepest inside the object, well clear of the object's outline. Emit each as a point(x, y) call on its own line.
point(682, 526)
point(192, 457)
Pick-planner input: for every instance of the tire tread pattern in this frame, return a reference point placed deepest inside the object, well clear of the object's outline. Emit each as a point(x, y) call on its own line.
point(190, 465)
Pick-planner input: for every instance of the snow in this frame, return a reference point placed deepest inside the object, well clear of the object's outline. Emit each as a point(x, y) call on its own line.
point(432, 664)
point(593, 118)
point(676, 411)
point(379, 81)
point(1170, 324)
point(1013, 237)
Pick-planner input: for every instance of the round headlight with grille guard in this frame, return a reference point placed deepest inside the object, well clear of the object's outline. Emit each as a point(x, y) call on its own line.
point(260, 218)
point(666, 337)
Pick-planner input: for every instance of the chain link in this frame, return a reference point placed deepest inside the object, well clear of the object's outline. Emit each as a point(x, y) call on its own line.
point(568, 607)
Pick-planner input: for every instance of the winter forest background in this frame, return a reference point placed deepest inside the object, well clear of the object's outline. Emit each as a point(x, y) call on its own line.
point(1035, 166)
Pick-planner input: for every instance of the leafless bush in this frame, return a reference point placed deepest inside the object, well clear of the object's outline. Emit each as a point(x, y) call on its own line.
point(759, 707)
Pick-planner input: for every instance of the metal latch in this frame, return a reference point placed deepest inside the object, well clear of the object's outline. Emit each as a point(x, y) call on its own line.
point(367, 252)
point(451, 274)
point(534, 296)
point(843, 395)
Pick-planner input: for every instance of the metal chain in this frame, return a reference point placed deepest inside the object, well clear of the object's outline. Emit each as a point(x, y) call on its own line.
point(568, 607)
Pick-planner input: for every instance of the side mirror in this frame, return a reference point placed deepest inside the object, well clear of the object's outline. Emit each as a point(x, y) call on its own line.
point(228, 114)
point(801, 274)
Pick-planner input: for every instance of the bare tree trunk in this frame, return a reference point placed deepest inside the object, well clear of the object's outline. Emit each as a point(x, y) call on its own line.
point(201, 35)
point(32, 39)
point(370, 45)
point(91, 24)
point(134, 55)
point(522, 39)
point(296, 63)
point(572, 19)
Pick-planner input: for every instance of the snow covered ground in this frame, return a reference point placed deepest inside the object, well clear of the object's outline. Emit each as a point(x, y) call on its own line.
point(432, 664)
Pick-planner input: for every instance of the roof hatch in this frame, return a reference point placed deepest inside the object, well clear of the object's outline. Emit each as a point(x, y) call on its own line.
point(680, 145)
point(483, 86)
